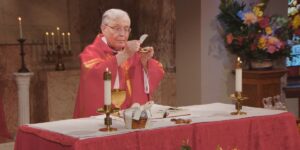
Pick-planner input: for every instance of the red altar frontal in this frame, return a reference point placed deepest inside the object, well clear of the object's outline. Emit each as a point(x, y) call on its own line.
point(212, 125)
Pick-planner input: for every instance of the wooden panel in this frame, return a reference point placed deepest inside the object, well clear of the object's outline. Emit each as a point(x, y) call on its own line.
point(260, 84)
point(251, 94)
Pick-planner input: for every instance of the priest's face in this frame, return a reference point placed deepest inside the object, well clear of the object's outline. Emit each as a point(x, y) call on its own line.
point(117, 32)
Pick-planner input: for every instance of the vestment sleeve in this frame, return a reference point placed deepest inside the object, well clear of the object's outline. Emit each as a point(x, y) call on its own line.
point(155, 74)
point(136, 72)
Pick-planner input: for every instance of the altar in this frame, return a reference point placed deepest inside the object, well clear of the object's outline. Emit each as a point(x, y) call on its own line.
point(211, 126)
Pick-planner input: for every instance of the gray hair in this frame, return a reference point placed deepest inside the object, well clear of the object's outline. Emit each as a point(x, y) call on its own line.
point(113, 14)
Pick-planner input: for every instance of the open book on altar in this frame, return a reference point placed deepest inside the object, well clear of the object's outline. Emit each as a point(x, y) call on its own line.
point(160, 111)
point(157, 111)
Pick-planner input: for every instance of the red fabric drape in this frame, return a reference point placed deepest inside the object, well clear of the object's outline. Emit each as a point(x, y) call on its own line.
point(275, 132)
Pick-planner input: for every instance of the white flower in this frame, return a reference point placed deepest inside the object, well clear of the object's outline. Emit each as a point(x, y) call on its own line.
point(292, 11)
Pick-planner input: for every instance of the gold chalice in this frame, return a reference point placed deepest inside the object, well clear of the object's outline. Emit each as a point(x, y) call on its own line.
point(118, 97)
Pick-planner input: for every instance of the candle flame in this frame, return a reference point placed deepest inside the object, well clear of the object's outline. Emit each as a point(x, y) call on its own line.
point(69, 33)
point(63, 34)
point(19, 18)
point(239, 60)
point(106, 69)
point(57, 28)
point(52, 33)
point(47, 33)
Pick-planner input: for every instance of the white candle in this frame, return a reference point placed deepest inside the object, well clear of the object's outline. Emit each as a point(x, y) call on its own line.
point(238, 76)
point(69, 41)
point(107, 87)
point(47, 40)
point(64, 41)
point(58, 35)
point(52, 40)
point(20, 27)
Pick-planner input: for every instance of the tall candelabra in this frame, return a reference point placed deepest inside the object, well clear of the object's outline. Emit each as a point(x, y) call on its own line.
point(22, 53)
point(57, 56)
point(57, 50)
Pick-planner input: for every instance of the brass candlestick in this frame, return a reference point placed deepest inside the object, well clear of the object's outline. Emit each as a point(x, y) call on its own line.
point(22, 53)
point(107, 109)
point(238, 97)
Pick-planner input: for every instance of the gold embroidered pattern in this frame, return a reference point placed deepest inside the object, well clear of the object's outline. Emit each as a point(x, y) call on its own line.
point(90, 63)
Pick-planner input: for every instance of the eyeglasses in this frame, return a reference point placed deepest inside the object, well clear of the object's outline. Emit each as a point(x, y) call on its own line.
point(120, 29)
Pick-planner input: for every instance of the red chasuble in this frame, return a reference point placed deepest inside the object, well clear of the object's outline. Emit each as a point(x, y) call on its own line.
point(94, 60)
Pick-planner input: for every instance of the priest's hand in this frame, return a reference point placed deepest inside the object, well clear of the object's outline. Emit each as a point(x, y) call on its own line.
point(132, 47)
point(129, 50)
point(146, 54)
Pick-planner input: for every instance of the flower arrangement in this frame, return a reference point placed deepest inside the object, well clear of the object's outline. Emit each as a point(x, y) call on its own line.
point(251, 34)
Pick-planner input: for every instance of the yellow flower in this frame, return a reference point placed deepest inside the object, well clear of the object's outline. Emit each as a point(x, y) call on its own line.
point(268, 30)
point(257, 11)
point(262, 42)
point(296, 22)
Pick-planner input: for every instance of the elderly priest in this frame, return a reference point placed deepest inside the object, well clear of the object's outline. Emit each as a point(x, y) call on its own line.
point(132, 69)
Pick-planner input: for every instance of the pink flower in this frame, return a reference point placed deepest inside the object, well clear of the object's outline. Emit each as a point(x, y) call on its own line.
point(274, 44)
point(271, 49)
point(229, 38)
point(273, 40)
point(280, 45)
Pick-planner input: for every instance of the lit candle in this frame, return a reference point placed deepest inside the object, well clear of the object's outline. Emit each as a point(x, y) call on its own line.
point(64, 41)
point(69, 41)
point(52, 40)
point(107, 87)
point(47, 40)
point(58, 35)
point(238, 75)
point(20, 27)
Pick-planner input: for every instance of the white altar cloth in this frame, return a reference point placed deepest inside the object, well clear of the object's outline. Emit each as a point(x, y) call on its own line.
point(88, 127)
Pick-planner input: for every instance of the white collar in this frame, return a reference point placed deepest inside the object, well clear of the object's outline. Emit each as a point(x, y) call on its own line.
point(104, 40)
